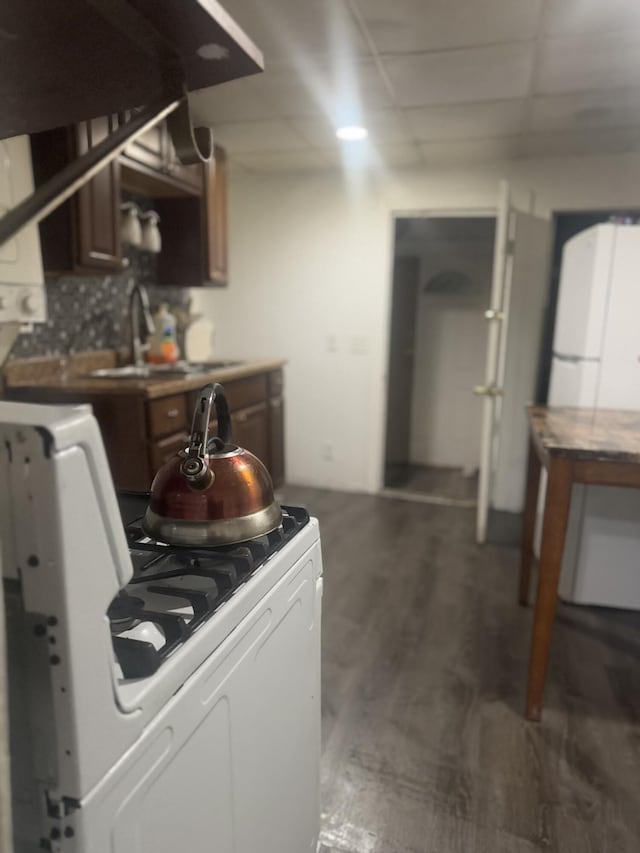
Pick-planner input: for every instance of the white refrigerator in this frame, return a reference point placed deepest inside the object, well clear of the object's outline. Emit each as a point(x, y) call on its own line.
point(596, 364)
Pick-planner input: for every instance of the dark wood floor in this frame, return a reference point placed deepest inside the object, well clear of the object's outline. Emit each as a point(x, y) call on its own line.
point(424, 667)
point(446, 483)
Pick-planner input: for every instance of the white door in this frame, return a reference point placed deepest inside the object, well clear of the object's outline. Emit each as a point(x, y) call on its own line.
point(514, 330)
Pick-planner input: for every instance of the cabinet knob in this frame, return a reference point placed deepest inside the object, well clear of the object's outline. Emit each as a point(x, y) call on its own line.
point(173, 413)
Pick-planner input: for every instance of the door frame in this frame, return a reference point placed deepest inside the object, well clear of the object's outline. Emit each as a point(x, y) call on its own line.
point(488, 212)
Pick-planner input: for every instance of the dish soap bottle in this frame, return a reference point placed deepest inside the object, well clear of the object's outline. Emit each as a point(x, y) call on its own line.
point(164, 341)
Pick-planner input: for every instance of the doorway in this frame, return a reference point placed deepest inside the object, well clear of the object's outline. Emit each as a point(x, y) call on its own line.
point(441, 287)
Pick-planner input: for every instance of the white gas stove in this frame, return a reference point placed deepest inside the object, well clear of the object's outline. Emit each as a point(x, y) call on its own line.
point(161, 698)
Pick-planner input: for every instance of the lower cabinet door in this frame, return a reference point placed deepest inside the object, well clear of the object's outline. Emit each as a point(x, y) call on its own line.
point(165, 449)
point(251, 430)
point(276, 440)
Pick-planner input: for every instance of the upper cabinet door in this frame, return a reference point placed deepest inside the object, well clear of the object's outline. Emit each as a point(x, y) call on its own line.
point(216, 218)
point(82, 235)
point(97, 210)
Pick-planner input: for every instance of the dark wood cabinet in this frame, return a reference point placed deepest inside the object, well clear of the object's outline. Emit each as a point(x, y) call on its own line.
point(215, 218)
point(194, 231)
point(275, 390)
point(190, 177)
point(97, 205)
point(251, 430)
point(141, 434)
point(82, 235)
point(150, 167)
point(276, 440)
point(148, 149)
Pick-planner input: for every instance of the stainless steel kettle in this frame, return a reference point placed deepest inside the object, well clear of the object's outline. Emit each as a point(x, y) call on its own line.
point(213, 492)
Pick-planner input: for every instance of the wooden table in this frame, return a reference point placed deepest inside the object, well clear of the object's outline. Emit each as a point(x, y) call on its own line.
point(594, 447)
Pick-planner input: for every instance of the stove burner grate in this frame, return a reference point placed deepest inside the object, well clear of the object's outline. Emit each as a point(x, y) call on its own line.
point(194, 581)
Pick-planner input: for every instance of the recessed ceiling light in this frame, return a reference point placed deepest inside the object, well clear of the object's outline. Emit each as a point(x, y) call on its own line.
point(213, 51)
point(352, 133)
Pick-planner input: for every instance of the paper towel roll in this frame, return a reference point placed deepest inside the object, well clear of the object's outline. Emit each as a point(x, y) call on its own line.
point(199, 340)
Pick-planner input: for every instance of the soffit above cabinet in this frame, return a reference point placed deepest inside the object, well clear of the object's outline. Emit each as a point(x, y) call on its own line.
point(61, 63)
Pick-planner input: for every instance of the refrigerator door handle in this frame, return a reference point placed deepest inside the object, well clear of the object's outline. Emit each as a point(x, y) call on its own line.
point(572, 359)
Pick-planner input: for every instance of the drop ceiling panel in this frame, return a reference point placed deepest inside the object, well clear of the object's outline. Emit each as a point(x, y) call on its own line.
point(282, 27)
point(584, 111)
point(399, 155)
point(464, 121)
point(476, 74)
point(270, 135)
point(583, 63)
point(236, 101)
point(405, 26)
point(282, 161)
point(591, 16)
point(384, 126)
point(609, 141)
point(340, 90)
point(471, 151)
point(376, 157)
point(454, 84)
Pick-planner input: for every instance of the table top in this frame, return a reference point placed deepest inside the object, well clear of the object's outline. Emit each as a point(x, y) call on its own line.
point(607, 435)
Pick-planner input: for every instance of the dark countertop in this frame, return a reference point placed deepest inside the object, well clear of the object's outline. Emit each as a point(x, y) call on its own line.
point(607, 435)
point(158, 386)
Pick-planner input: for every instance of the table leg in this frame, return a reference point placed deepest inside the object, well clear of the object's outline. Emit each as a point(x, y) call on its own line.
point(556, 515)
point(529, 521)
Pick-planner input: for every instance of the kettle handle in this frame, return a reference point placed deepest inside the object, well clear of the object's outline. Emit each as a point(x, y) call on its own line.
point(222, 413)
point(194, 466)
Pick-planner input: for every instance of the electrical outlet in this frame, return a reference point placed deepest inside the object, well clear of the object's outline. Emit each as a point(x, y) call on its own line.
point(359, 345)
point(327, 451)
point(332, 343)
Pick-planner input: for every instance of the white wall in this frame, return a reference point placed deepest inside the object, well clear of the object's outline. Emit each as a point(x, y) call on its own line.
point(310, 261)
point(450, 351)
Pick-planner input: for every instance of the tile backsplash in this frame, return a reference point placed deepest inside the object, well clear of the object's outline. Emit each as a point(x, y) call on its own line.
point(93, 313)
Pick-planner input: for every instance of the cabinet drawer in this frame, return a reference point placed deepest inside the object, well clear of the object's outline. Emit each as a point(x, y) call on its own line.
point(167, 415)
point(165, 449)
point(246, 392)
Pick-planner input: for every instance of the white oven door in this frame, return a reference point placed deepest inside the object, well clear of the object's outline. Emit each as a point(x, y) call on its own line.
point(231, 764)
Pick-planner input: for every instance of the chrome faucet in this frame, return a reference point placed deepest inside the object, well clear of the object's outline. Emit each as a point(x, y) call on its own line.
point(139, 299)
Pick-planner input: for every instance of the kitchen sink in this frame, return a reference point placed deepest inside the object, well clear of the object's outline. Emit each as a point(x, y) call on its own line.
point(213, 365)
point(159, 371)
